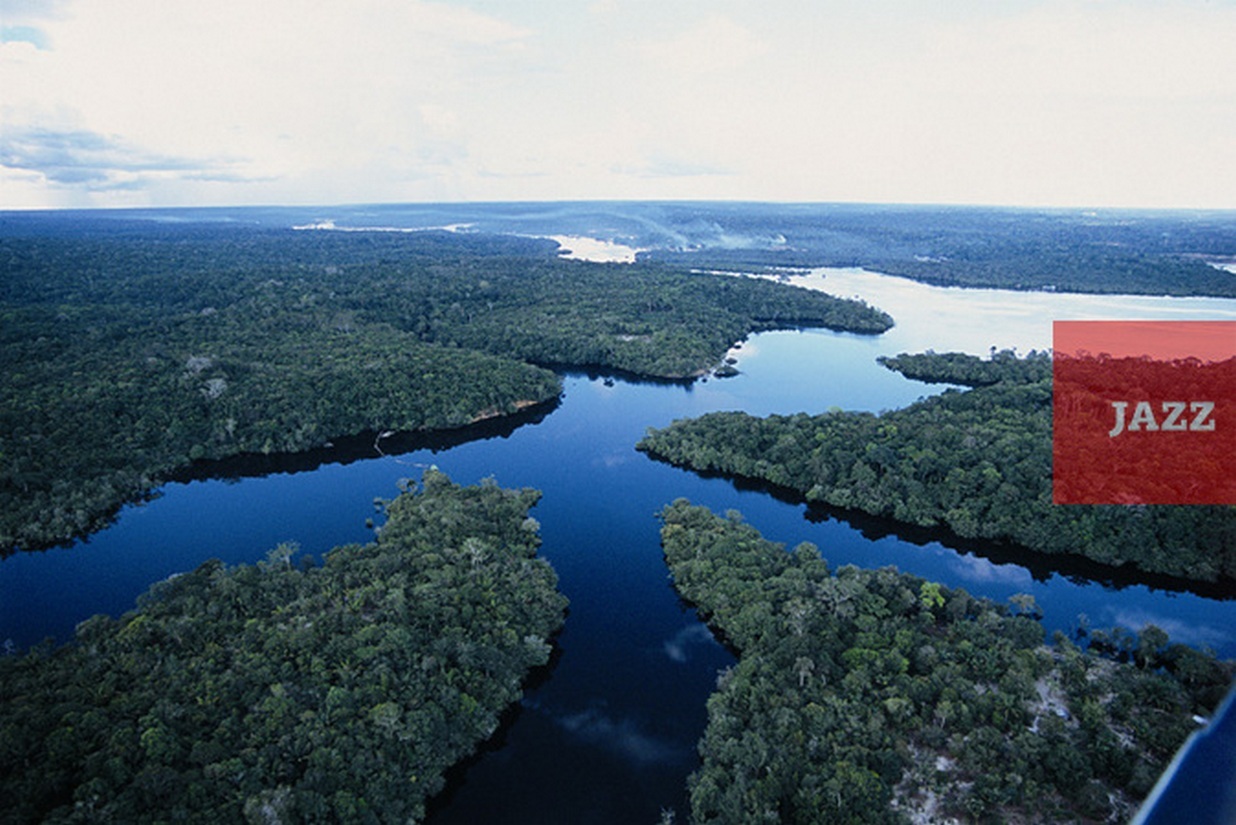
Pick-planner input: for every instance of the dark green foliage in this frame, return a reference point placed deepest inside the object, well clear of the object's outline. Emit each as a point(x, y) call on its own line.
point(283, 692)
point(977, 462)
point(129, 351)
point(1137, 252)
point(650, 321)
point(100, 414)
point(961, 368)
point(860, 694)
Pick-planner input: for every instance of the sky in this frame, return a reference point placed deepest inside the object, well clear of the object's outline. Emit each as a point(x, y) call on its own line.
point(1088, 103)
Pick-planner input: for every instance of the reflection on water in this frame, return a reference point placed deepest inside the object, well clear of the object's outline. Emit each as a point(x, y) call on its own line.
point(609, 736)
point(974, 320)
point(679, 646)
point(622, 736)
point(578, 247)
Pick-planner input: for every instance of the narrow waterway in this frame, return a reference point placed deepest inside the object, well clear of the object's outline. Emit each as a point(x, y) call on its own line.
point(608, 735)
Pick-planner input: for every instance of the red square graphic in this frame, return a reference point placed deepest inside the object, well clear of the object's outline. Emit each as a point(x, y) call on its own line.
point(1144, 412)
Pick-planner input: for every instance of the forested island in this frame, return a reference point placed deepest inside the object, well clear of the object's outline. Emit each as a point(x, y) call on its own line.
point(875, 696)
point(975, 461)
point(132, 348)
point(290, 691)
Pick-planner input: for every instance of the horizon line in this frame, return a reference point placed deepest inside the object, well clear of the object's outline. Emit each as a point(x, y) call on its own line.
point(603, 200)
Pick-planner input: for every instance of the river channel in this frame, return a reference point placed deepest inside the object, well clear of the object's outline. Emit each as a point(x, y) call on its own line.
point(608, 734)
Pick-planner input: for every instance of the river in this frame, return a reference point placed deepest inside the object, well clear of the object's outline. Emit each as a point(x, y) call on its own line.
point(608, 734)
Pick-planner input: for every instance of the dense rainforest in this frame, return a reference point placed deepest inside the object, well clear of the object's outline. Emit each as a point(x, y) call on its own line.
point(874, 696)
point(132, 348)
point(1129, 251)
point(290, 691)
point(976, 461)
point(1104, 251)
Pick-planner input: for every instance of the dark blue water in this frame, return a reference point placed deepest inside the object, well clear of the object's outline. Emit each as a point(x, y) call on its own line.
point(608, 735)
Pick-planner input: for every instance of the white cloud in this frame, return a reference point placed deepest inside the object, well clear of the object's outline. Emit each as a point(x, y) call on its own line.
point(77, 157)
point(25, 11)
point(659, 166)
point(717, 44)
point(309, 94)
point(1045, 102)
point(1105, 104)
point(440, 120)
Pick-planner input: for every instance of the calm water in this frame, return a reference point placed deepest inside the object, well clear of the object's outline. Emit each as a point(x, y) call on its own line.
point(609, 734)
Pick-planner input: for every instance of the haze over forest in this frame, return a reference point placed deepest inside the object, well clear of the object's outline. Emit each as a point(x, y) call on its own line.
point(330, 245)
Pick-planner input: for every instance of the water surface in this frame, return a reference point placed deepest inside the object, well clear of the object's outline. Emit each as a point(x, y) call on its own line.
point(608, 735)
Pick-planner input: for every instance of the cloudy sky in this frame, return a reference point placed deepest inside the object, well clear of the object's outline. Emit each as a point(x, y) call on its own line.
point(184, 102)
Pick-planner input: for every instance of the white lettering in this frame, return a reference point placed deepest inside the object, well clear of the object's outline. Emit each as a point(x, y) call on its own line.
point(1202, 422)
point(1174, 410)
point(1119, 406)
point(1143, 416)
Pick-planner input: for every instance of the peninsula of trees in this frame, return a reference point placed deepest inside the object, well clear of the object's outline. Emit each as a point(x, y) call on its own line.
point(132, 348)
point(874, 696)
point(289, 691)
point(976, 461)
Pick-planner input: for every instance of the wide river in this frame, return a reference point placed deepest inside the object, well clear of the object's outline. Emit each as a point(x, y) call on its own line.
point(608, 735)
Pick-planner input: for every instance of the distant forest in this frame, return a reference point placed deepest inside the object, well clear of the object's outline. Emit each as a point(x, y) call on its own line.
point(976, 461)
point(133, 348)
point(1107, 251)
point(873, 696)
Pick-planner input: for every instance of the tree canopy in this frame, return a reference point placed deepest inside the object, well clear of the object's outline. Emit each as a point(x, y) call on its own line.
point(977, 462)
point(870, 695)
point(288, 691)
point(132, 349)
point(1108, 251)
